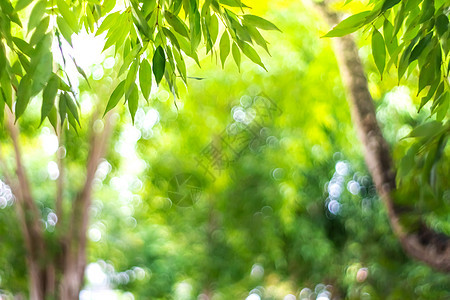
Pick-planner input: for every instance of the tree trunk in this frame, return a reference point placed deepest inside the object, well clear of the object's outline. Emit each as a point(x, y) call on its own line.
point(423, 244)
point(60, 275)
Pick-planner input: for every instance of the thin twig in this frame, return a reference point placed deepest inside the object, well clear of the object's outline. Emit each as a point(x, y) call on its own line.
point(60, 182)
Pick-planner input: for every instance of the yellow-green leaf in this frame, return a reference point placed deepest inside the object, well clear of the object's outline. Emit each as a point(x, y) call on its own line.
point(48, 96)
point(133, 100)
point(224, 46)
point(67, 14)
point(23, 96)
point(378, 51)
point(236, 55)
point(145, 78)
point(259, 22)
point(116, 95)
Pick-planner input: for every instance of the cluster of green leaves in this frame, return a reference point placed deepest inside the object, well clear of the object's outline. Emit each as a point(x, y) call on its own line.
point(157, 35)
point(413, 36)
point(150, 36)
point(27, 68)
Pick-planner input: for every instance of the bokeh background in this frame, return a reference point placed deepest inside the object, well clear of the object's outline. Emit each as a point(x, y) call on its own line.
point(251, 185)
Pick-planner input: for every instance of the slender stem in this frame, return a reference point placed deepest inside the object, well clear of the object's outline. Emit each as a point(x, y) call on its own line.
point(60, 182)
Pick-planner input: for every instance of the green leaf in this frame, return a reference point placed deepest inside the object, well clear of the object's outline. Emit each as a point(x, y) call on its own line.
point(259, 22)
point(23, 46)
point(399, 18)
point(240, 31)
point(441, 24)
point(404, 60)
point(68, 15)
point(233, 3)
point(65, 29)
point(108, 22)
point(258, 38)
point(3, 60)
point(378, 51)
point(62, 107)
point(36, 14)
point(390, 40)
point(140, 22)
point(23, 96)
point(72, 122)
point(426, 76)
point(40, 31)
point(145, 78)
point(21, 4)
point(427, 10)
point(133, 101)
point(53, 118)
point(116, 95)
point(213, 29)
point(172, 37)
point(72, 107)
point(236, 55)
point(24, 62)
point(430, 94)
point(389, 4)
point(176, 23)
point(350, 24)
point(425, 130)
point(41, 64)
point(90, 19)
point(63, 86)
point(6, 89)
point(442, 110)
point(159, 64)
point(129, 58)
point(224, 46)
point(2, 110)
point(251, 53)
point(82, 73)
point(421, 45)
point(181, 65)
point(131, 77)
point(195, 30)
point(48, 96)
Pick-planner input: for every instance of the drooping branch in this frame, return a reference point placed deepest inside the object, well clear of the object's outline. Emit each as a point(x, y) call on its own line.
point(423, 244)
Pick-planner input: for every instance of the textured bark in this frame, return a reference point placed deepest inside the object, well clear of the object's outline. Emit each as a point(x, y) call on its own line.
point(423, 244)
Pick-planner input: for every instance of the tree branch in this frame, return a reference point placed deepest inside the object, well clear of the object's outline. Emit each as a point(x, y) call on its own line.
point(75, 255)
point(60, 182)
point(28, 213)
point(423, 244)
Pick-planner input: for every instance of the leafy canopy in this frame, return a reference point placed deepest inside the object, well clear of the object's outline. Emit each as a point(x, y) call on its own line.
point(153, 37)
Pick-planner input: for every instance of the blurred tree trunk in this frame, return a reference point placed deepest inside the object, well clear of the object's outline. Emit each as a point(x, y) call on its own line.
point(422, 243)
point(56, 269)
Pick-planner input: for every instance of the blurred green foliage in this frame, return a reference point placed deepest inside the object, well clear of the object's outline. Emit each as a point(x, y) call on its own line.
point(293, 214)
